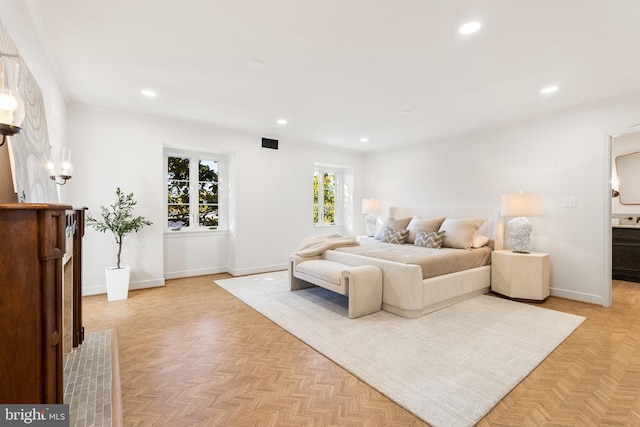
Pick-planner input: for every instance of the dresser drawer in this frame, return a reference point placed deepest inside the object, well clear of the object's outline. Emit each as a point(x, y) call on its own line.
point(626, 235)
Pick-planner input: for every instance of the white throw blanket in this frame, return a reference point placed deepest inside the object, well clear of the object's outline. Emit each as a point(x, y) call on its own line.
point(316, 245)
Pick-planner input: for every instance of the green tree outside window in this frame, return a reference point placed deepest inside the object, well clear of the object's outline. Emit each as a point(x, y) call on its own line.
point(182, 202)
point(324, 197)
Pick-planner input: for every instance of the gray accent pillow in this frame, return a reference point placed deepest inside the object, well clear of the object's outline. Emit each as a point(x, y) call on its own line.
point(395, 224)
point(418, 224)
point(398, 237)
point(459, 233)
point(429, 239)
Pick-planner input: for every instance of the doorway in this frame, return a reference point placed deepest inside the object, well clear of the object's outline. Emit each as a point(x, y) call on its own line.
point(619, 143)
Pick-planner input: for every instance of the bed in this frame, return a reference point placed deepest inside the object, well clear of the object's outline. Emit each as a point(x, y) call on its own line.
point(411, 289)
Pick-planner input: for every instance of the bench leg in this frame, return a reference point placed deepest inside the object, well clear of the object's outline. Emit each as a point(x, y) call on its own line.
point(294, 282)
point(365, 290)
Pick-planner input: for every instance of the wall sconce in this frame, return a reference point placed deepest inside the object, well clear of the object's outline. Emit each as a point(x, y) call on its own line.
point(11, 106)
point(615, 187)
point(520, 205)
point(370, 207)
point(65, 168)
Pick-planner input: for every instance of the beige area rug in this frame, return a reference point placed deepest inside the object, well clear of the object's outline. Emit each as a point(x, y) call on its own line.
point(449, 367)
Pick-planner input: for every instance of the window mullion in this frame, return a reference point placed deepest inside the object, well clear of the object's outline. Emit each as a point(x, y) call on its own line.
point(337, 212)
point(193, 191)
point(321, 197)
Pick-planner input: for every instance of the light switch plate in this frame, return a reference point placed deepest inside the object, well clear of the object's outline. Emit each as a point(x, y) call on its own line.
point(569, 201)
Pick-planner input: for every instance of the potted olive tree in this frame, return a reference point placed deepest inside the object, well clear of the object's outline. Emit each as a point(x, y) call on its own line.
point(118, 218)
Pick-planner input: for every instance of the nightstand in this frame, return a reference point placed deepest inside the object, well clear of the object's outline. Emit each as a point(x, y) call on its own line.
point(521, 276)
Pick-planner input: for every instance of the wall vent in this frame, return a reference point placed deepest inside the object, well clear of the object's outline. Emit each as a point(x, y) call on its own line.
point(270, 143)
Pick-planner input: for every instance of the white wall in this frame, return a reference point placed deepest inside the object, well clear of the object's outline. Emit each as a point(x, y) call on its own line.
point(560, 154)
point(116, 150)
point(271, 202)
point(270, 195)
point(17, 20)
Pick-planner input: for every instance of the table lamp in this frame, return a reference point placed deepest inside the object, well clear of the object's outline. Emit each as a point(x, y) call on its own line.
point(520, 205)
point(370, 207)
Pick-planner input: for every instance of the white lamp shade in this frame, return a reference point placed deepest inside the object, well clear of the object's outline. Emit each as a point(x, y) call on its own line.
point(66, 167)
point(11, 106)
point(521, 204)
point(371, 205)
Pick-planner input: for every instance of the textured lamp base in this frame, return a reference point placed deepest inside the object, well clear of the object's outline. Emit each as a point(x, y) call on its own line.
point(370, 222)
point(520, 232)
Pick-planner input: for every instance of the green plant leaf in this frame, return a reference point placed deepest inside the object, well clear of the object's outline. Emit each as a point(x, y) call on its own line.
point(119, 219)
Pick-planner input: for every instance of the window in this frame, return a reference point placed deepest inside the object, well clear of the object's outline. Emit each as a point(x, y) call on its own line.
point(193, 191)
point(326, 196)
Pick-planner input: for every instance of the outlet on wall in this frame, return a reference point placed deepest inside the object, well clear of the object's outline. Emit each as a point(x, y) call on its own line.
point(569, 201)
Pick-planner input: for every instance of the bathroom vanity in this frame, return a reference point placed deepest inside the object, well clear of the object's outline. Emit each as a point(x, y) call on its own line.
point(626, 252)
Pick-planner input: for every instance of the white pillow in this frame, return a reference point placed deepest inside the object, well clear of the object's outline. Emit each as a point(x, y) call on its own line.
point(459, 233)
point(479, 241)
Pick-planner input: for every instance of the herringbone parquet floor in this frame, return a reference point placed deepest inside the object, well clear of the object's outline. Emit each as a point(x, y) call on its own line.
point(193, 355)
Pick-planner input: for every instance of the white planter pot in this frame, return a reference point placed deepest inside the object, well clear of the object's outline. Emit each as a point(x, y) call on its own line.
point(117, 282)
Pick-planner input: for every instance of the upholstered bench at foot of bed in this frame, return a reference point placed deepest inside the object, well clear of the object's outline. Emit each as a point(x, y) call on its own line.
point(363, 285)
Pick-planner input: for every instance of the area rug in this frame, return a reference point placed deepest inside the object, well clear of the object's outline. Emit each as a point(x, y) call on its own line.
point(449, 367)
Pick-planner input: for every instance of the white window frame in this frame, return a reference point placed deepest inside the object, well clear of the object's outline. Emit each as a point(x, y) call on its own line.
point(223, 196)
point(321, 169)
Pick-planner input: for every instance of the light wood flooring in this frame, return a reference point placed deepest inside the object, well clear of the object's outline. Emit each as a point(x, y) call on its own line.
point(192, 354)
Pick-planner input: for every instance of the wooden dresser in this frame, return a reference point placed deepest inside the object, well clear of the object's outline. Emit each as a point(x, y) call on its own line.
point(32, 245)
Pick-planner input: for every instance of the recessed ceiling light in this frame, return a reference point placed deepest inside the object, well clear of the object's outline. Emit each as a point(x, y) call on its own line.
point(405, 112)
point(148, 92)
point(255, 63)
point(281, 121)
point(470, 27)
point(364, 139)
point(549, 89)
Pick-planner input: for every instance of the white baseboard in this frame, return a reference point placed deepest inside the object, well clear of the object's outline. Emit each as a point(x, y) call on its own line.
point(218, 270)
point(192, 273)
point(102, 289)
point(143, 284)
point(256, 270)
point(577, 296)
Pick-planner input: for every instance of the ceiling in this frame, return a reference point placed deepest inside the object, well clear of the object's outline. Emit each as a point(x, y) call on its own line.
point(395, 72)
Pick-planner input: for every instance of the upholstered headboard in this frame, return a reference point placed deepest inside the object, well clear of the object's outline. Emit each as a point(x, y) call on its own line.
point(493, 226)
